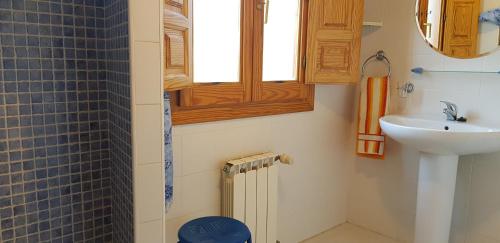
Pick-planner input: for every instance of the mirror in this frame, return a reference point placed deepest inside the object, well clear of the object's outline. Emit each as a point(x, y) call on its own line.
point(458, 28)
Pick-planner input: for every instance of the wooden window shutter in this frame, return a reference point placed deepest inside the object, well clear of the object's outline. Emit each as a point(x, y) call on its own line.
point(178, 44)
point(334, 41)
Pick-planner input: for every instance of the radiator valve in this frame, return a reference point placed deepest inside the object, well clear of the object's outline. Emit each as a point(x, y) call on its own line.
point(285, 159)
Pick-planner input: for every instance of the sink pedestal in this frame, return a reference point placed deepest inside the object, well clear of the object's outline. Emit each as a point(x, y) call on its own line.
point(440, 143)
point(436, 189)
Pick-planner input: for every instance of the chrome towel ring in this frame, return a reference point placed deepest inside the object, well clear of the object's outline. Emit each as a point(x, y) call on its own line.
point(379, 56)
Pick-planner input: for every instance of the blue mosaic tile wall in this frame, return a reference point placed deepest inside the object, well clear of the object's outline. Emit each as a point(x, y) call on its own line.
point(117, 45)
point(54, 147)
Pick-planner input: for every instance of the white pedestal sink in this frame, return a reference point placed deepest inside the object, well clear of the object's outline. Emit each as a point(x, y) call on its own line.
point(440, 143)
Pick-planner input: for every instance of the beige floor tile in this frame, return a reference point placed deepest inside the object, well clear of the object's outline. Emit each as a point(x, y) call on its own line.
point(348, 233)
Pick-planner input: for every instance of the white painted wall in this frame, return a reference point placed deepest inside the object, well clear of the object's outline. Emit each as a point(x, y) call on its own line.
point(312, 192)
point(382, 194)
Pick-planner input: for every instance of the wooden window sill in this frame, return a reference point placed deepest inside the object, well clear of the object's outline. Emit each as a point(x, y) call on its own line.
point(182, 116)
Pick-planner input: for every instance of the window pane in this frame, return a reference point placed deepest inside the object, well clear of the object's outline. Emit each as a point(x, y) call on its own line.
point(281, 40)
point(216, 41)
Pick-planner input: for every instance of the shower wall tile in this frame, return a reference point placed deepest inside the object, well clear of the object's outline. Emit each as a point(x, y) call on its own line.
point(54, 144)
point(118, 77)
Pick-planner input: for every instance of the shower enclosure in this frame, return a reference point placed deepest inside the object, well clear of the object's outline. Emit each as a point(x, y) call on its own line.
point(65, 121)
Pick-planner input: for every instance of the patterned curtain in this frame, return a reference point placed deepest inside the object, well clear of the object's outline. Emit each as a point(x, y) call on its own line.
point(169, 170)
point(492, 16)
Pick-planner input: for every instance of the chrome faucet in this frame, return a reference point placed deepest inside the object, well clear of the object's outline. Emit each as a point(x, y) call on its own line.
point(451, 111)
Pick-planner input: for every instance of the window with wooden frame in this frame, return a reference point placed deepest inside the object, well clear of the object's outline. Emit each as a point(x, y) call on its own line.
point(246, 58)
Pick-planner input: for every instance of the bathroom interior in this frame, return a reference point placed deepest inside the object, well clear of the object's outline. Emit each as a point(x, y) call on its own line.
point(124, 120)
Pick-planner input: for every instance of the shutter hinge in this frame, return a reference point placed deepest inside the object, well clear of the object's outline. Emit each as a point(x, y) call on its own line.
point(304, 61)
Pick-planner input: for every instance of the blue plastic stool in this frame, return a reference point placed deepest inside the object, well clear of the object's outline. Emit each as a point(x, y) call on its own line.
point(214, 230)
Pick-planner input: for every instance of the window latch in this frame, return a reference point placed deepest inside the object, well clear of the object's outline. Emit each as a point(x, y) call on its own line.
point(264, 6)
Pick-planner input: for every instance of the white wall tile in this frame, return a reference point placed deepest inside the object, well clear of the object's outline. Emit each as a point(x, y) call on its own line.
point(462, 196)
point(428, 61)
point(146, 73)
point(201, 190)
point(177, 149)
point(490, 62)
point(484, 214)
point(208, 147)
point(147, 118)
point(148, 188)
point(455, 64)
point(489, 99)
point(148, 137)
point(150, 232)
point(144, 23)
point(205, 155)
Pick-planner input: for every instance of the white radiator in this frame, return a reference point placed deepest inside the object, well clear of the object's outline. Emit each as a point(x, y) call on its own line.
point(250, 194)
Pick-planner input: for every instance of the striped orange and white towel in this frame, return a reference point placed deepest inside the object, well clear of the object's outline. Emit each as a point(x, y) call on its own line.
point(373, 104)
